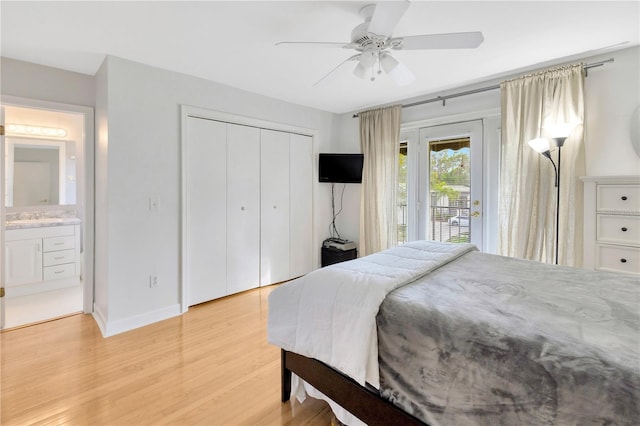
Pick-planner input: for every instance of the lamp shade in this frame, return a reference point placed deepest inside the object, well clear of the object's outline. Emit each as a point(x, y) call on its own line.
point(388, 62)
point(365, 62)
point(360, 71)
point(540, 145)
point(396, 70)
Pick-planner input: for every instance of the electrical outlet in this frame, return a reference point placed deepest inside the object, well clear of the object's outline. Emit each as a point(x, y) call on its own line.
point(153, 281)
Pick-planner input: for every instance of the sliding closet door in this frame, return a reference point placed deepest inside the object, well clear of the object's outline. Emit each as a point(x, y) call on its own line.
point(243, 208)
point(274, 230)
point(206, 213)
point(301, 202)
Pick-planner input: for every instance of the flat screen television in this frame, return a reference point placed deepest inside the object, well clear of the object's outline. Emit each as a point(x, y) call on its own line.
point(340, 168)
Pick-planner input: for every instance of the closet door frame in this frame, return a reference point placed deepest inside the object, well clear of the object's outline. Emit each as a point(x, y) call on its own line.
point(187, 111)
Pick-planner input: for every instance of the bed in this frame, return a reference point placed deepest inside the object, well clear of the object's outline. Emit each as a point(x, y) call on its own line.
point(441, 334)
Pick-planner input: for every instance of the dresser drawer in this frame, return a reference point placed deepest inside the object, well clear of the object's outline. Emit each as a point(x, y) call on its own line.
point(618, 258)
point(618, 198)
point(618, 229)
point(59, 271)
point(58, 257)
point(58, 243)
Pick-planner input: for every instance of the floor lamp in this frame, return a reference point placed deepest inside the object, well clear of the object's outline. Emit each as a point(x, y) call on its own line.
point(541, 145)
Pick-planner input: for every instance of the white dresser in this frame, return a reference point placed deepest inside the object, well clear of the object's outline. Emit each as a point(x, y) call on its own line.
point(612, 223)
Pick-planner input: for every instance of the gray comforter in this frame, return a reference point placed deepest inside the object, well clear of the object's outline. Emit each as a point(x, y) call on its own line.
point(490, 340)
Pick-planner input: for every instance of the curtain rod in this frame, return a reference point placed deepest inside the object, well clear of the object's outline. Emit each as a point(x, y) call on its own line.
point(444, 98)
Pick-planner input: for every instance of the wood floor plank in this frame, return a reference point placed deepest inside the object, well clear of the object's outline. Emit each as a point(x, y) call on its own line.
point(210, 366)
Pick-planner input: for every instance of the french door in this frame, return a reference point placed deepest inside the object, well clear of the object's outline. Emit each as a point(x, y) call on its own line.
point(443, 187)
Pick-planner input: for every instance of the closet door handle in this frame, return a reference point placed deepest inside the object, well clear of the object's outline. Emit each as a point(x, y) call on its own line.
point(623, 260)
point(624, 198)
point(624, 229)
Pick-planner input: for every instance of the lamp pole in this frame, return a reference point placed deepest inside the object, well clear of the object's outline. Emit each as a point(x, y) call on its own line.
point(559, 142)
point(545, 151)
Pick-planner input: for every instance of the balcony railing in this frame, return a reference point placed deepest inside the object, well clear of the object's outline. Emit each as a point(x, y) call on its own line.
point(447, 224)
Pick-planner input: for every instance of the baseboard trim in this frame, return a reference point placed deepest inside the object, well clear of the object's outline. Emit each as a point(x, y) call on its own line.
point(111, 328)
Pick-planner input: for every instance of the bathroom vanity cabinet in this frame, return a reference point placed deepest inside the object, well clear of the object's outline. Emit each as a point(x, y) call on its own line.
point(41, 259)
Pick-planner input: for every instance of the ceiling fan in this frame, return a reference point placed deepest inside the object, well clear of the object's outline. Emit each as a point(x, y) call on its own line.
point(373, 41)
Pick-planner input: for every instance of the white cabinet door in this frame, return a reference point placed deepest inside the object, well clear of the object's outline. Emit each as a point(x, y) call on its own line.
point(243, 208)
point(23, 262)
point(206, 212)
point(274, 193)
point(301, 212)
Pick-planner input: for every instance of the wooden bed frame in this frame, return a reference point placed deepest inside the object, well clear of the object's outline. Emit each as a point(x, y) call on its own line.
point(364, 403)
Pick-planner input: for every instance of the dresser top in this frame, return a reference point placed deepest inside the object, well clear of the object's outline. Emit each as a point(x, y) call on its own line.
point(611, 179)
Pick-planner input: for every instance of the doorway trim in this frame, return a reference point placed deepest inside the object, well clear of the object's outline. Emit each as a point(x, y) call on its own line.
point(490, 118)
point(86, 173)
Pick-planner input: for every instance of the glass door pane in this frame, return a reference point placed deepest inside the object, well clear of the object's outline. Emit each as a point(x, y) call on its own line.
point(402, 194)
point(449, 190)
point(450, 180)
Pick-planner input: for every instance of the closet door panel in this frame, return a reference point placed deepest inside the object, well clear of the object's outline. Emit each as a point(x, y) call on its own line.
point(243, 208)
point(274, 192)
point(301, 211)
point(206, 214)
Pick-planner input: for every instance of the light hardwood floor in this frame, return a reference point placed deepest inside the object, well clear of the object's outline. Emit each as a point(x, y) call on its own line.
point(210, 366)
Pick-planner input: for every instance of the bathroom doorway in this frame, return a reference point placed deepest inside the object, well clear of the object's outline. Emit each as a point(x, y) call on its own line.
point(48, 224)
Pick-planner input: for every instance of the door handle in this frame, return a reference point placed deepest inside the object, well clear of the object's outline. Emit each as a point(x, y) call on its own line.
point(475, 214)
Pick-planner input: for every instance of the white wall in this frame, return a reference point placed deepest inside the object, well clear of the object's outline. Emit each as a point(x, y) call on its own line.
point(138, 157)
point(612, 94)
point(40, 82)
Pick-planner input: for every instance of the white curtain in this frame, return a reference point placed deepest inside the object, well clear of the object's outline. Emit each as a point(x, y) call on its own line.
point(531, 105)
point(379, 139)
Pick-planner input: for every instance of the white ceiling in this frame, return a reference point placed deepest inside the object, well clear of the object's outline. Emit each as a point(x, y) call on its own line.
point(233, 42)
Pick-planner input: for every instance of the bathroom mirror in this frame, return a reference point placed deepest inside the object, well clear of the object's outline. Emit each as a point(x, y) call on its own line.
point(39, 172)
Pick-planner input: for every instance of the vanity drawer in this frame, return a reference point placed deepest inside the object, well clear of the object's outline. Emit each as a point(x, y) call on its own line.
point(59, 271)
point(58, 257)
point(619, 198)
point(58, 243)
point(618, 229)
point(618, 258)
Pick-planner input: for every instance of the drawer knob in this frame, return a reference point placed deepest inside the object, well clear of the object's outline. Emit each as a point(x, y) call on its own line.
point(624, 229)
point(624, 198)
point(623, 260)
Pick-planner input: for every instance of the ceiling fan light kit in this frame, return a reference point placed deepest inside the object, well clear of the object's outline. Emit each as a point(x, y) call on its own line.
point(373, 40)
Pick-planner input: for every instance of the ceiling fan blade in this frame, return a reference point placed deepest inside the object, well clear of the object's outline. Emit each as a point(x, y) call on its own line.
point(319, 44)
point(468, 40)
point(386, 16)
point(325, 78)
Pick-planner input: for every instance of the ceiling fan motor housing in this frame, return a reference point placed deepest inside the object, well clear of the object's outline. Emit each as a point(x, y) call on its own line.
point(361, 36)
